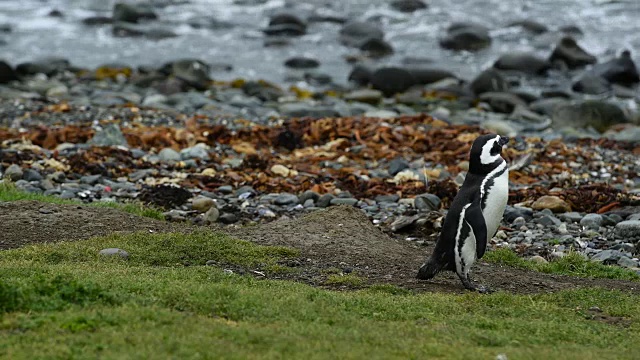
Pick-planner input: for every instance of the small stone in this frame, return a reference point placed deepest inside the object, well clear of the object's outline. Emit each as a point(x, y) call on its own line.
point(553, 203)
point(225, 189)
point(90, 179)
point(13, 173)
point(280, 170)
point(246, 189)
point(627, 262)
point(324, 200)
point(427, 202)
point(607, 257)
point(397, 165)
point(538, 259)
point(109, 135)
point(368, 96)
point(562, 229)
point(519, 222)
point(113, 252)
point(168, 154)
point(228, 218)
point(571, 216)
point(591, 221)
point(309, 195)
point(202, 204)
point(286, 199)
point(549, 220)
point(211, 216)
point(344, 201)
point(392, 198)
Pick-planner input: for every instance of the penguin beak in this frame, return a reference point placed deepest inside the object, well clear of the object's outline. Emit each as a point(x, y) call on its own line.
point(503, 140)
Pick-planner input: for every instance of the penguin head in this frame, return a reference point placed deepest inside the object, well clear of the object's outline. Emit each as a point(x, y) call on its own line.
point(485, 153)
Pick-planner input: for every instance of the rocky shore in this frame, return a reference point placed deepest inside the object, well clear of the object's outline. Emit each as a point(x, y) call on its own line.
point(391, 139)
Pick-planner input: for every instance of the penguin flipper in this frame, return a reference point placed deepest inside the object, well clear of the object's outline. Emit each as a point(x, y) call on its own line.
point(475, 219)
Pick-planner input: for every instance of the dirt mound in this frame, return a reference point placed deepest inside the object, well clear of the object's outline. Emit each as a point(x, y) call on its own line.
point(26, 222)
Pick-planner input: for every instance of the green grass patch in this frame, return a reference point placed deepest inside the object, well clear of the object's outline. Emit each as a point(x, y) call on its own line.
point(572, 264)
point(352, 280)
point(8, 192)
point(63, 301)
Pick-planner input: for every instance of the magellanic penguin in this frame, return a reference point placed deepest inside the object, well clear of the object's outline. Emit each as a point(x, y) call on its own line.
point(475, 213)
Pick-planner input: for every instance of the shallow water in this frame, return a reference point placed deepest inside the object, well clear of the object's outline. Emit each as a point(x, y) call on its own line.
point(608, 26)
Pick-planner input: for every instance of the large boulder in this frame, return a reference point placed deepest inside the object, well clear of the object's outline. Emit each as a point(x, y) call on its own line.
point(571, 54)
point(489, 80)
point(524, 62)
point(48, 66)
point(595, 113)
point(621, 70)
point(466, 36)
point(7, 73)
point(286, 24)
point(392, 80)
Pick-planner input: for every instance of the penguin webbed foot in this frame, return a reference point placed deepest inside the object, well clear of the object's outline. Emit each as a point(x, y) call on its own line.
point(466, 282)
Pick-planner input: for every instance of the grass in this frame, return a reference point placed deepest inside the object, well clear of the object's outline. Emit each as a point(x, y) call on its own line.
point(9, 192)
point(64, 301)
point(572, 264)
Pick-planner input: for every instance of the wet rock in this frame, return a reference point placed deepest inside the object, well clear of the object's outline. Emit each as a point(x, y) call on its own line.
point(466, 36)
point(309, 195)
point(368, 96)
point(207, 22)
point(6, 28)
point(592, 221)
point(621, 70)
point(595, 113)
point(628, 229)
point(301, 63)
point(132, 13)
point(202, 204)
point(524, 62)
point(489, 80)
point(285, 24)
point(530, 26)
point(408, 6)
point(376, 47)
point(192, 71)
point(502, 102)
point(297, 110)
point(262, 91)
point(397, 165)
point(111, 252)
point(427, 202)
point(553, 203)
point(49, 66)
point(430, 75)
point(571, 54)
point(325, 200)
point(97, 20)
point(7, 73)
point(547, 106)
point(392, 80)
point(286, 199)
point(13, 173)
point(356, 33)
point(360, 75)
point(591, 84)
point(122, 29)
point(90, 179)
point(109, 135)
point(211, 216)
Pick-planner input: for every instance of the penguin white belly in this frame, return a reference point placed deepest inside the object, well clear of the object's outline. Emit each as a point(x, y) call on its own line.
point(496, 201)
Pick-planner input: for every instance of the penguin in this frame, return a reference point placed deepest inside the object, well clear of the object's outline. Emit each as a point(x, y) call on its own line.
point(475, 213)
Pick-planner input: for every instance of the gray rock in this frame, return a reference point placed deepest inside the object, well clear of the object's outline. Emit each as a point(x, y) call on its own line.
point(571, 54)
point(519, 222)
point(595, 113)
point(194, 72)
point(286, 199)
point(489, 80)
point(132, 13)
point(466, 36)
point(211, 216)
point(607, 257)
point(627, 262)
point(301, 63)
point(547, 106)
point(114, 252)
point(502, 102)
point(196, 152)
point(571, 216)
point(524, 62)
point(591, 84)
point(7, 73)
point(376, 48)
point(408, 6)
point(391, 198)
point(13, 173)
point(168, 154)
point(31, 175)
point(246, 190)
point(286, 24)
point(90, 179)
point(309, 203)
point(302, 109)
point(592, 221)
point(392, 80)
point(427, 202)
point(548, 220)
point(368, 96)
point(325, 200)
point(309, 195)
point(226, 189)
point(531, 26)
point(511, 213)
point(109, 135)
point(228, 218)
point(49, 66)
point(397, 165)
point(356, 33)
point(628, 229)
point(344, 201)
point(621, 70)
point(156, 32)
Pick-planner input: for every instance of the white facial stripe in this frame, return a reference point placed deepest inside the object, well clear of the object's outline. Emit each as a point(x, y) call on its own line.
point(490, 176)
point(485, 155)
